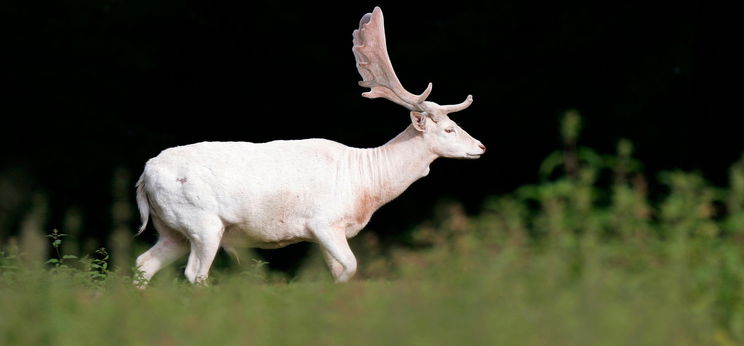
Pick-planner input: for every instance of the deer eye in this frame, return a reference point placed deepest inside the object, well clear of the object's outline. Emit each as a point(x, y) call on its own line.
point(449, 130)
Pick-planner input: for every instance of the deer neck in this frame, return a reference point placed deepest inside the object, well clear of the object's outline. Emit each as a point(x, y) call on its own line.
point(386, 171)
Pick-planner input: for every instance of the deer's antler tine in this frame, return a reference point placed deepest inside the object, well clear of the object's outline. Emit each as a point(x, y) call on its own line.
point(460, 106)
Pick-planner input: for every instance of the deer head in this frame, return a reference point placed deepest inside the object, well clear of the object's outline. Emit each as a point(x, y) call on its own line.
point(444, 136)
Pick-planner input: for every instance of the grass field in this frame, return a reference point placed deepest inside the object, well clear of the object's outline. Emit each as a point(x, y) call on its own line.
point(569, 261)
point(571, 290)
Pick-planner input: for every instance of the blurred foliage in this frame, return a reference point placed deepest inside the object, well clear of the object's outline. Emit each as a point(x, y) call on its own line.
point(582, 259)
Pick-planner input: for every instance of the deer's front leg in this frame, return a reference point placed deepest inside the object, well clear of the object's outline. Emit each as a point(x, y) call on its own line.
point(334, 266)
point(338, 255)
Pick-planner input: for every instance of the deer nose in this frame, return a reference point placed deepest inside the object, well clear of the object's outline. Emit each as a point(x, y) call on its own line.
point(483, 147)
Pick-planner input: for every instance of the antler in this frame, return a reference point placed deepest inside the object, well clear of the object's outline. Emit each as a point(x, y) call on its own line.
point(373, 63)
point(458, 107)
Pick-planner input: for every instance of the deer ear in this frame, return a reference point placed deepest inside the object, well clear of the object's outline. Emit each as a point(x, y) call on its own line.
point(419, 120)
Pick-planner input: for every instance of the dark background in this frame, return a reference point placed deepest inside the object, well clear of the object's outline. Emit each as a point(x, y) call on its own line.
point(96, 85)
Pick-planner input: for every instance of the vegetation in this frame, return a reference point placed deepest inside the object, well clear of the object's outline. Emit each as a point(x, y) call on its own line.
point(583, 258)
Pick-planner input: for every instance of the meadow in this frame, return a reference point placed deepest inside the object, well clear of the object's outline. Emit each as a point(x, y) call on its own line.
point(585, 257)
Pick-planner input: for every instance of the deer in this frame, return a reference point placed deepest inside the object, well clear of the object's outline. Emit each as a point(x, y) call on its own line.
point(208, 195)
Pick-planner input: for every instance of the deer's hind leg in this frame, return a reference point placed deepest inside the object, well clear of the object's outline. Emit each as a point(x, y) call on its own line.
point(205, 236)
point(170, 246)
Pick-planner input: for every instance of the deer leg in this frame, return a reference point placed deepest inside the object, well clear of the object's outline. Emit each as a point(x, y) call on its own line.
point(205, 238)
point(335, 245)
point(170, 246)
point(334, 266)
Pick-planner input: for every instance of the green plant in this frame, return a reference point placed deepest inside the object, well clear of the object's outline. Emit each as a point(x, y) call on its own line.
point(8, 266)
point(99, 269)
point(59, 261)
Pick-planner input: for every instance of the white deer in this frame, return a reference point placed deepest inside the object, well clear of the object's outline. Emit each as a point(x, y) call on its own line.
point(269, 195)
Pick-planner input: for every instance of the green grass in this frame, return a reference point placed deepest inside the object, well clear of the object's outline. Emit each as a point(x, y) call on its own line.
point(569, 261)
point(572, 291)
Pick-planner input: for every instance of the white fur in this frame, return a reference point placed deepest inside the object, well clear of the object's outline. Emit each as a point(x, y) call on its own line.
point(270, 195)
